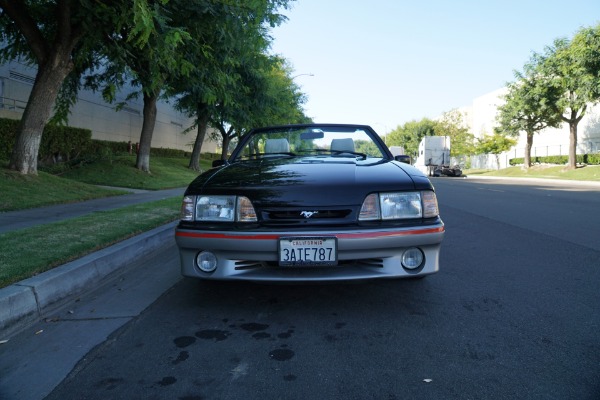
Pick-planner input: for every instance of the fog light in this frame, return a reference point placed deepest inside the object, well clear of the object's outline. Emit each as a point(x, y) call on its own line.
point(206, 261)
point(412, 258)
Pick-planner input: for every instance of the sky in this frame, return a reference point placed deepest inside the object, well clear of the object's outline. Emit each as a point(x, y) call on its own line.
point(386, 62)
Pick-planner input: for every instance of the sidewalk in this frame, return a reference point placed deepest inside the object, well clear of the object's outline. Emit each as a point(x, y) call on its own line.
point(592, 184)
point(29, 300)
point(14, 220)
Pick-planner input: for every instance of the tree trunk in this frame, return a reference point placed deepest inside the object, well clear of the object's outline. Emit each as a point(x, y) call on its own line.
point(528, 146)
point(572, 144)
point(226, 140)
point(202, 115)
point(143, 157)
point(48, 81)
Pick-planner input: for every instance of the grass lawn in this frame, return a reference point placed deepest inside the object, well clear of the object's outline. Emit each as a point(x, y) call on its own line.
point(588, 173)
point(30, 251)
point(19, 192)
point(60, 242)
point(165, 173)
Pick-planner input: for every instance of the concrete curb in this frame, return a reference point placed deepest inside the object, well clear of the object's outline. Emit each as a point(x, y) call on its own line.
point(27, 301)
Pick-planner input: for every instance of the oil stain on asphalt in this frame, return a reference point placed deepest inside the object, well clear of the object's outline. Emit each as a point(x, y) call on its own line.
point(258, 331)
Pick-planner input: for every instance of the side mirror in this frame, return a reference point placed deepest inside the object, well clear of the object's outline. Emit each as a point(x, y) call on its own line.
point(218, 163)
point(403, 159)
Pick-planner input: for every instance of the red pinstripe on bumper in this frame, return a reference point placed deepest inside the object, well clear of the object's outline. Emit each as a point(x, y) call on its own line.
point(364, 235)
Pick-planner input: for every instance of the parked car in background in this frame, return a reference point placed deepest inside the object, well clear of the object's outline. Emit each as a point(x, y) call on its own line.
point(304, 203)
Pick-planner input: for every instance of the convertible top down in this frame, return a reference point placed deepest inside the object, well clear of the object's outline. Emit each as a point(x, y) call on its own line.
point(314, 202)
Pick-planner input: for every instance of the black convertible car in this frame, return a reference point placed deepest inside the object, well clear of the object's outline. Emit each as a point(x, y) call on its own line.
point(315, 202)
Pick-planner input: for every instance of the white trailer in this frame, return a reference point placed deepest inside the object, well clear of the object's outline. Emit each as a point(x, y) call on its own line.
point(433, 158)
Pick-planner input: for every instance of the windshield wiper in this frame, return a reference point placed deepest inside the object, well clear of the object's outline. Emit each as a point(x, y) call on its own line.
point(313, 151)
point(266, 155)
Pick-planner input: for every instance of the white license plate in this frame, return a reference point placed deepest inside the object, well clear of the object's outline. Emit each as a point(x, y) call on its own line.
point(307, 251)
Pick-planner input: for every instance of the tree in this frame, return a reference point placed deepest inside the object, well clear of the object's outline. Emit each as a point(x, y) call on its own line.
point(452, 124)
point(264, 95)
point(147, 68)
point(275, 98)
point(218, 30)
point(587, 43)
point(571, 68)
point(494, 144)
point(229, 49)
point(213, 27)
point(410, 134)
point(57, 36)
point(529, 107)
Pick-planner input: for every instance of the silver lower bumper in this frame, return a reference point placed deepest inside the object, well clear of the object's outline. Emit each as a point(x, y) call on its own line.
point(362, 254)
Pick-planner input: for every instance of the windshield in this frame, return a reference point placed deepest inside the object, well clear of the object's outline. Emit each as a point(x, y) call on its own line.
point(322, 141)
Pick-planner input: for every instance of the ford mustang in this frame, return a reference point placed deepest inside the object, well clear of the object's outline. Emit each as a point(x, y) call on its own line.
point(307, 203)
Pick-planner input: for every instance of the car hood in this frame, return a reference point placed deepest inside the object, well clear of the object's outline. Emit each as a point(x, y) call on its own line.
point(292, 182)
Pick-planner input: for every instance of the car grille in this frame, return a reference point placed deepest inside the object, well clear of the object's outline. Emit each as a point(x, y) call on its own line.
point(367, 262)
point(307, 214)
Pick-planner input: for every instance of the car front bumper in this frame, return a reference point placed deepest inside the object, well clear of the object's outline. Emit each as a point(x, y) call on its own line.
point(361, 254)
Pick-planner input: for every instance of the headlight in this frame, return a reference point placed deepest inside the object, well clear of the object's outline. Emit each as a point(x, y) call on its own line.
point(399, 205)
point(217, 208)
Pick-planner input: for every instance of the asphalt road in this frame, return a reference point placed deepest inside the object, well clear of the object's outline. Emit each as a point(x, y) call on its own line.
point(513, 313)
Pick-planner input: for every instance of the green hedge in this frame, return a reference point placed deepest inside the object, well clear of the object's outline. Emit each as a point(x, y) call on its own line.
point(58, 142)
point(122, 148)
point(589, 159)
point(8, 127)
point(592, 159)
point(62, 143)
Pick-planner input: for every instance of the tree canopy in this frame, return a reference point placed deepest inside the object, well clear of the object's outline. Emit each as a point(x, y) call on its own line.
point(453, 124)
point(571, 69)
point(410, 134)
point(529, 107)
point(208, 54)
point(59, 37)
point(494, 144)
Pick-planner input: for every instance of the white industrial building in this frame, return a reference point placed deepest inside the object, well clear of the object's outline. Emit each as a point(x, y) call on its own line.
point(92, 112)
